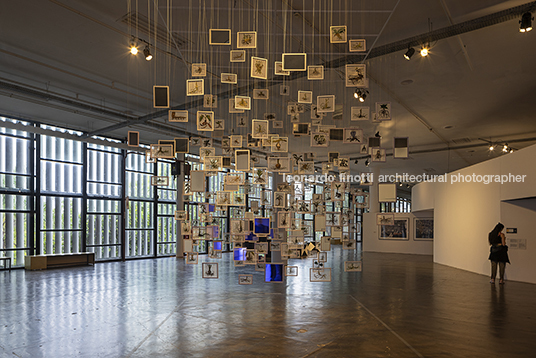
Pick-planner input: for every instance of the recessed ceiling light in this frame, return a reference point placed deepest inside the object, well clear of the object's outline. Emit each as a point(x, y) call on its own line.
point(406, 82)
point(448, 127)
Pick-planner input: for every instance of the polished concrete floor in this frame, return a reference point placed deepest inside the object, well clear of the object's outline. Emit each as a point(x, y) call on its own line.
point(398, 306)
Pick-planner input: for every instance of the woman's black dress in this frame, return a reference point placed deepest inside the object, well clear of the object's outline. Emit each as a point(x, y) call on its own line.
point(498, 252)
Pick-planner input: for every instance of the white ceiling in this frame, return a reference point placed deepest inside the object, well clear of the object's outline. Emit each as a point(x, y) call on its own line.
point(67, 62)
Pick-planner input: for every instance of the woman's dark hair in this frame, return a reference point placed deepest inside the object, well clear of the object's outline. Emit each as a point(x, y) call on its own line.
point(495, 232)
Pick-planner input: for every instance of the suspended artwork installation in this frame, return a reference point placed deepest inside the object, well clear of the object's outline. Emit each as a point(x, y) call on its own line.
point(253, 71)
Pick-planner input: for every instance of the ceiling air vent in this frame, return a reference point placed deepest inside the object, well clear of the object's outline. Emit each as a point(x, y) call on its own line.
point(462, 140)
point(139, 22)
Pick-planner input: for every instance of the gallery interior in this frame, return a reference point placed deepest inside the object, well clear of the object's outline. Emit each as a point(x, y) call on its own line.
point(287, 178)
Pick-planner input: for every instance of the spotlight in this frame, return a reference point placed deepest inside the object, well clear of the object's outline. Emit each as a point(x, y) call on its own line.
point(511, 150)
point(492, 148)
point(355, 161)
point(424, 51)
point(377, 135)
point(147, 53)
point(367, 162)
point(407, 186)
point(356, 94)
point(409, 53)
point(505, 148)
point(526, 22)
point(363, 97)
point(133, 47)
point(400, 184)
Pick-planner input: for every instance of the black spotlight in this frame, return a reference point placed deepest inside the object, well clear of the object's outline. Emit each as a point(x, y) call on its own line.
point(409, 53)
point(147, 53)
point(355, 161)
point(377, 135)
point(357, 94)
point(367, 162)
point(525, 25)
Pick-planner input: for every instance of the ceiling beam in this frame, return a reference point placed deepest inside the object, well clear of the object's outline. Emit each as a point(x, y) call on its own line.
point(443, 33)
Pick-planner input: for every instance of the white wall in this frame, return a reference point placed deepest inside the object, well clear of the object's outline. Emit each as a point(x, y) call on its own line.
point(465, 213)
point(372, 243)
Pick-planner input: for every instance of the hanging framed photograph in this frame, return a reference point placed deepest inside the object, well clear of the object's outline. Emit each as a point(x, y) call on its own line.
point(229, 78)
point(195, 141)
point(182, 145)
point(280, 199)
point(295, 118)
point(210, 270)
point(191, 258)
point(238, 199)
point(242, 159)
point(278, 69)
point(159, 180)
point(246, 39)
point(325, 103)
point(195, 87)
point(320, 275)
point(210, 101)
point(279, 164)
point(360, 113)
point(284, 90)
point(242, 102)
point(245, 279)
point(207, 152)
point(357, 45)
point(283, 219)
point(236, 141)
point(133, 139)
point(305, 97)
point(352, 266)
point(294, 62)
point(279, 144)
point(259, 128)
point(300, 128)
point(385, 219)
point(383, 111)
point(423, 229)
point(387, 192)
point(241, 121)
point(162, 151)
point(356, 75)
point(361, 200)
point(315, 72)
point(237, 56)
point(319, 139)
point(277, 124)
point(291, 270)
point(378, 155)
point(291, 108)
point(337, 34)
point(353, 135)
point(213, 163)
point(181, 215)
point(259, 176)
point(219, 125)
point(259, 67)
point(199, 69)
point(344, 164)
point(232, 108)
point(397, 231)
point(261, 94)
point(306, 167)
point(234, 178)
point(178, 116)
point(400, 148)
point(161, 96)
point(219, 36)
point(197, 181)
point(205, 121)
point(336, 134)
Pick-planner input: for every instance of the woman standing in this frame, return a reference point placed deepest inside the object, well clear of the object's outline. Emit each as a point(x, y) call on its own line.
point(498, 252)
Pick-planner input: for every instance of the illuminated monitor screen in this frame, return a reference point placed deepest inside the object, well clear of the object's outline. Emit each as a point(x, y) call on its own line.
point(251, 237)
point(240, 254)
point(262, 226)
point(217, 245)
point(273, 273)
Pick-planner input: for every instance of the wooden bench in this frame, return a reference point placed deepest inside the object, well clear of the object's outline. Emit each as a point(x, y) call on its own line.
point(42, 262)
point(6, 261)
